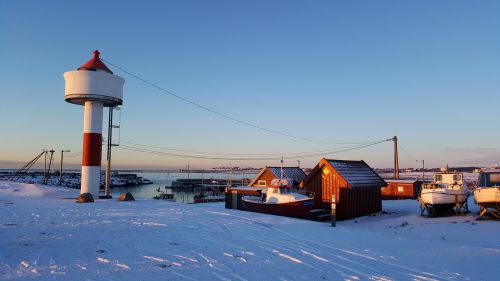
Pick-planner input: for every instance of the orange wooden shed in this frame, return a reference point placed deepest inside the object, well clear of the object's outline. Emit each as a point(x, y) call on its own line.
point(355, 185)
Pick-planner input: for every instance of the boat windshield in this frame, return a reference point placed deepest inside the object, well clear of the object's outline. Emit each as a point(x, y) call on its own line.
point(285, 191)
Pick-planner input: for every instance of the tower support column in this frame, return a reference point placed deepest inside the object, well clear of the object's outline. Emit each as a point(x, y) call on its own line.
point(92, 148)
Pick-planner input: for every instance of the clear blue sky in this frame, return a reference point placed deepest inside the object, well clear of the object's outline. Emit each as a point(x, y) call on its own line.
point(346, 71)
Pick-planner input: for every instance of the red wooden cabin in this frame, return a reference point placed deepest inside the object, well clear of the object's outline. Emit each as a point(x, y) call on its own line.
point(401, 189)
point(355, 185)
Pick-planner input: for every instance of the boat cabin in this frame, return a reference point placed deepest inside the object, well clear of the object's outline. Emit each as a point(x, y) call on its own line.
point(281, 191)
point(446, 180)
point(489, 179)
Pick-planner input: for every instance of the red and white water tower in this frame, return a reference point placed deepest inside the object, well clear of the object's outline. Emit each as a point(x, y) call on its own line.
point(94, 86)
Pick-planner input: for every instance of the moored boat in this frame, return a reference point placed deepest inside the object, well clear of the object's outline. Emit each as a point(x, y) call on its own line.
point(279, 199)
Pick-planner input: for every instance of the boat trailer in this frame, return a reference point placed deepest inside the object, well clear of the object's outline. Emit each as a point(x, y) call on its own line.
point(433, 211)
point(492, 209)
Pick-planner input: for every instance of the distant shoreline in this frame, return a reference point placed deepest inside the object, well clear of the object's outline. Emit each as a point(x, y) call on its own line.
point(151, 171)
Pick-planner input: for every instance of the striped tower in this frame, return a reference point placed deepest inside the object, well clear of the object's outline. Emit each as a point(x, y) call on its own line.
point(94, 86)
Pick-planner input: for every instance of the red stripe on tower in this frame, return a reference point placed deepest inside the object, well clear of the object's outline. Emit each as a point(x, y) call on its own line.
point(92, 148)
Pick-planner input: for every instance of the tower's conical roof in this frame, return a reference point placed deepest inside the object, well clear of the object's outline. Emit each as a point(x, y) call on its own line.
point(95, 63)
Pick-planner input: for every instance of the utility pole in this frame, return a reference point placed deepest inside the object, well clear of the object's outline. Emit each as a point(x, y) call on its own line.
point(45, 166)
point(47, 174)
point(423, 168)
point(396, 161)
point(108, 154)
point(60, 171)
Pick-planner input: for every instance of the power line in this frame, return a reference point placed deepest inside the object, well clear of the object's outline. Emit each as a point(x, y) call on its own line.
point(226, 153)
point(73, 155)
point(150, 151)
point(407, 153)
point(219, 113)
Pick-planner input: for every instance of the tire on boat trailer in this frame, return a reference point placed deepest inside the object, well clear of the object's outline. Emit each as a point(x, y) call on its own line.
point(432, 211)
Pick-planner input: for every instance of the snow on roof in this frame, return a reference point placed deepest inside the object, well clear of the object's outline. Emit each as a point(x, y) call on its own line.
point(402, 181)
point(357, 173)
point(294, 173)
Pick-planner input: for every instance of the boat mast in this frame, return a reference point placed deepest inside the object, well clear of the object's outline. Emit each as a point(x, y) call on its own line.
point(281, 174)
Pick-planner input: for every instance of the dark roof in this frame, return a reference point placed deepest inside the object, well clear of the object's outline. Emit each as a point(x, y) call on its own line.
point(357, 173)
point(294, 173)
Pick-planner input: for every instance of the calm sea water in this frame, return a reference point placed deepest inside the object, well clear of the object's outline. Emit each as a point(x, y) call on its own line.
point(160, 180)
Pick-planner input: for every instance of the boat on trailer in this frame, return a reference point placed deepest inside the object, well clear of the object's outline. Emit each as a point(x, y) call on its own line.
point(487, 194)
point(446, 192)
point(280, 199)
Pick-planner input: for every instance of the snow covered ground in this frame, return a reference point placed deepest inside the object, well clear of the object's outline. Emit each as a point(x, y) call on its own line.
point(45, 237)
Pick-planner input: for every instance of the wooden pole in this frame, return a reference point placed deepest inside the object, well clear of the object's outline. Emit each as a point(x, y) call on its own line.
point(45, 168)
point(423, 170)
point(61, 170)
point(47, 174)
point(334, 211)
point(396, 160)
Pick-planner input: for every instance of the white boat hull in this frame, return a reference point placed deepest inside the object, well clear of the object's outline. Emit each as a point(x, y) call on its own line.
point(487, 195)
point(442, 196)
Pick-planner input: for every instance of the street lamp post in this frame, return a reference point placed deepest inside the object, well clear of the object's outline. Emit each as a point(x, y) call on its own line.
point(60, 171)
point(423, 169)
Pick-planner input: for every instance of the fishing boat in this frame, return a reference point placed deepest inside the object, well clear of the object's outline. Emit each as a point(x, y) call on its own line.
point(279, 199)
point(487, 194)
point(445, 192)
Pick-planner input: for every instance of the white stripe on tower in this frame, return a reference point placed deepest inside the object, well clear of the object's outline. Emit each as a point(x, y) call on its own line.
point(92, 147)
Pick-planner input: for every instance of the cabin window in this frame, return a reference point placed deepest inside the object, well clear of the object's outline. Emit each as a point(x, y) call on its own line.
point(494, 177)
point(457, 177)
point(438, 177)
point(261, 183)
point(401, 189)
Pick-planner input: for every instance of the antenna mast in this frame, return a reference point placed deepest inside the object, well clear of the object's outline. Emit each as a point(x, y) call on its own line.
point(281, 174)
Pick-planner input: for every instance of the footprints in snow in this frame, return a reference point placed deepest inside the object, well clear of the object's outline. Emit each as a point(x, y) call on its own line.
point(162, 265)
point(236, 257)
point(106, 261)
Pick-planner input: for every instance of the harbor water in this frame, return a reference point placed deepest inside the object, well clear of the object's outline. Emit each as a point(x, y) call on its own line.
point(161, 180)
